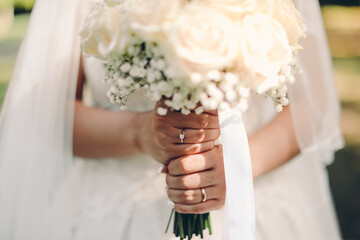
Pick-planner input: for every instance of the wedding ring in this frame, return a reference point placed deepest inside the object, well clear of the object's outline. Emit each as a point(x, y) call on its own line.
point(182, 136)
point(203, 194)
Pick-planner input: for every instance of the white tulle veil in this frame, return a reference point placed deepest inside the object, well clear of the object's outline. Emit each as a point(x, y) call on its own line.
point(314, 104)
point(37, 116)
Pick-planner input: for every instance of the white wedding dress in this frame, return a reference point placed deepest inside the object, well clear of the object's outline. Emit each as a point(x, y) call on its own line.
point(44, 194)
point(125, 198)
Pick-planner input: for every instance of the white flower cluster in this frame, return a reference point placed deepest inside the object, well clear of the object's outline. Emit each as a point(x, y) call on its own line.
point(198, 54)
point(139, 65)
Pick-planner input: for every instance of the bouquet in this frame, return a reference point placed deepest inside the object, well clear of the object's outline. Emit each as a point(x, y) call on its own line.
point(195, 54)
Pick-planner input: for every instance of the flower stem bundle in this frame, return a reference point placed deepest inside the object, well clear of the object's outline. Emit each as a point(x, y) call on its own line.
point(187, 225)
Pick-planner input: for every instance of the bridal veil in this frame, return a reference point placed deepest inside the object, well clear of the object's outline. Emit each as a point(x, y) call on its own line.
point(36, 120)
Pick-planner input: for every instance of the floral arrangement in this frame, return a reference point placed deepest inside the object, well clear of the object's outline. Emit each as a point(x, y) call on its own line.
point(196, 54)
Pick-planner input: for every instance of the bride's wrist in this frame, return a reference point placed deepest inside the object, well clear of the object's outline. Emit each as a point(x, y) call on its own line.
point(140, 121)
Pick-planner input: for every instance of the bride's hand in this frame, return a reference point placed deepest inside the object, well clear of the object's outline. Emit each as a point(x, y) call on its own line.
point(188, 175)
point(159, 135)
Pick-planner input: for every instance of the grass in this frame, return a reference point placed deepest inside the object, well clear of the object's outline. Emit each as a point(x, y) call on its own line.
point(9, 46)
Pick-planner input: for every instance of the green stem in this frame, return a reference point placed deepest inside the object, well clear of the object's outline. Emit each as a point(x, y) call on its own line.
point(181, 227)
point(209, 223)
point(189, 227)
point(201, 226)
point(167, 227)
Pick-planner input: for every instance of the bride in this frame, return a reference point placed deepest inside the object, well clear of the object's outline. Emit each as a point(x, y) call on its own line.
point(76, 169)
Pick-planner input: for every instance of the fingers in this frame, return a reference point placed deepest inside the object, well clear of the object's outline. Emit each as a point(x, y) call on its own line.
point(192, 196)
point(192, 120)
point(197, 162)
point(179, 150)
point(202, 207)
point(194, 163)
point(167, 135)
point(194, 180)
point(196, 135)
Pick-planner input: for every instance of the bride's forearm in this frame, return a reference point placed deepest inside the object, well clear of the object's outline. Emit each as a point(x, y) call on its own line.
point(100, 133)
point(274, 144)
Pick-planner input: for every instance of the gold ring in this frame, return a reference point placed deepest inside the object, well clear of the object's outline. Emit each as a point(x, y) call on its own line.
point(203, 194)
point(182, 136)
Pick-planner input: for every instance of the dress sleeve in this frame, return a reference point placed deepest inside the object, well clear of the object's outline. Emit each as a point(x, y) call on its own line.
point(314, 103)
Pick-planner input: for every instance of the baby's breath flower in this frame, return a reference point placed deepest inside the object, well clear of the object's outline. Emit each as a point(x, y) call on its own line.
point(161, 111)
point(279, 108)
point(214, 75)
point(125, 68)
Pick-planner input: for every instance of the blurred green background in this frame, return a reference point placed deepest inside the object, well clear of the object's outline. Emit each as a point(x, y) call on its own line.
point(342, 22)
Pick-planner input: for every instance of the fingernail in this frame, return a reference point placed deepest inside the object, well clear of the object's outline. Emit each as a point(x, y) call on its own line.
point(165, 169)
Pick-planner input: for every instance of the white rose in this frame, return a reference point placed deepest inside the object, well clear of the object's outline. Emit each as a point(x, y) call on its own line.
point(264, 49)
point(147, 17)
point(233, 8)
point(202, 39)
point(102, 31)
point(285, 12)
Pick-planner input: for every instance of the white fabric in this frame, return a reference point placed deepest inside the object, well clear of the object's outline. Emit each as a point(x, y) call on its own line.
point(124, 198)
point(239, 219)
point(314, 104)
point(36, 119)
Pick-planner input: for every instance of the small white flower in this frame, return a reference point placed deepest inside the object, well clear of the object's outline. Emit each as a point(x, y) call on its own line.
point(136, 60)
point(185, 111)
point(142, 63)
point(161, 111)
point(162, 86)
point(243, 91)
point(150, 76)
point(283, 90)
point(129, 81)
point(121, 82)
point(214, 92)
point(282, 79)
point(231, 78)
point(230, 96)
point(211, 104)
point(160, 64)
point(141, 73)
point(124, 92)
point(196, 78)
point(190, 104)
point(224, 106)
point(226, 86)
point(153, 63)
point(199, 110)
point(134, 72)
point(155, 97)
point(157, 75)
point(131, 50)
point(177, 97)
point(279, 108)
point(284, 101)
point(125, 68)
point(214, 75)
